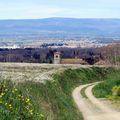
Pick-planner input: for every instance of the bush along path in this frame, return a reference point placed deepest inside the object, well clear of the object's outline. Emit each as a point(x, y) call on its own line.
point(14, 105)
point(93, 108)
point(52, 100)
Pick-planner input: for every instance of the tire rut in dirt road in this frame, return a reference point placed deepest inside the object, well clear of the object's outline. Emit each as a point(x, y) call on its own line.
point(108, 112)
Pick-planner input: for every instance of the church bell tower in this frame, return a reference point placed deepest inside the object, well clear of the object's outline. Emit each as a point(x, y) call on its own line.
point(57, 58)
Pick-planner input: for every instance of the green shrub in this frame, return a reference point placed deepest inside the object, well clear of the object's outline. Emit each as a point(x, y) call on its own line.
point(116, 90)
point(55, 96)
point(104, 89)
point(15, 106)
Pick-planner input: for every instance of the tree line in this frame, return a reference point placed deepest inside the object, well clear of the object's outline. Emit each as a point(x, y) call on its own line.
point(110, 54)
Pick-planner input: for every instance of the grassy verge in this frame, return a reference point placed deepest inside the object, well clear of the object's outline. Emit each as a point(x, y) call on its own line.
point(104, 89)
point(83, 92)
point(54, 97)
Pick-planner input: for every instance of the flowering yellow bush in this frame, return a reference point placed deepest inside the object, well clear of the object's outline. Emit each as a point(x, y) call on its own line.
point(116, 90)
point(15, 106)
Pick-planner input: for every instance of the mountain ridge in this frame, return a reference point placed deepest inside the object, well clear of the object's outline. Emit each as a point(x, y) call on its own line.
point(59, 28)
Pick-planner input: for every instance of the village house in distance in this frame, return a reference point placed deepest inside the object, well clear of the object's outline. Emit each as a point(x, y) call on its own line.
point(59, 60)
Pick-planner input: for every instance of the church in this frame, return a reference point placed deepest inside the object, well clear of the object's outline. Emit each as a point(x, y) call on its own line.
point(59, 60)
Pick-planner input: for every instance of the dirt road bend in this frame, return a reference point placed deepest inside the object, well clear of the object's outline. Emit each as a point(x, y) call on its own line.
point(91, 107)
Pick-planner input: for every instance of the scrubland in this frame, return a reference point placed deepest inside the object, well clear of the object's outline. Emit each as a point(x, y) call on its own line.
point(53, 98)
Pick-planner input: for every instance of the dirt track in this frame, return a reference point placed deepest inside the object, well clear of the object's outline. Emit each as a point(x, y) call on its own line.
point(93, 108)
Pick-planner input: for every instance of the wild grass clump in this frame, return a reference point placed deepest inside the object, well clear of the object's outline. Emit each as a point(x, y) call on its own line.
point(105, 88)
point(55, 97)
point(51, 100)
point(14, 105)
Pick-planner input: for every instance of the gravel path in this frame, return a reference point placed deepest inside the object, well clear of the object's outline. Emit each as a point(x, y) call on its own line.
point(93, 108)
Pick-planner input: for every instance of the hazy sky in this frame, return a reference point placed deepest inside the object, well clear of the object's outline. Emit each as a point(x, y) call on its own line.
point(31, 9)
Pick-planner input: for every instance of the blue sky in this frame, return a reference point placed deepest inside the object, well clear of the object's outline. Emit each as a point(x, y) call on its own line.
point(34, 9)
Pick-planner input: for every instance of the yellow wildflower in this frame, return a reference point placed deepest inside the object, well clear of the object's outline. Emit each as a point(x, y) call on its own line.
point(15, 90)
point(2, 94)
point(41, 115)
point(6, 103)
point(27, 100)
point(10, 106)
point(31, 112)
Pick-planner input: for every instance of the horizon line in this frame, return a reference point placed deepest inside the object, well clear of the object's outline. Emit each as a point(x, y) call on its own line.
point(54, 18)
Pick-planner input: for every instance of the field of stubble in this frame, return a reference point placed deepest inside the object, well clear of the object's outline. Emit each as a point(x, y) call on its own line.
point(20, 72)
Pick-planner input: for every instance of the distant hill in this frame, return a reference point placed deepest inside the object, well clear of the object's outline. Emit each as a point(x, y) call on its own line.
point(59, 28)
